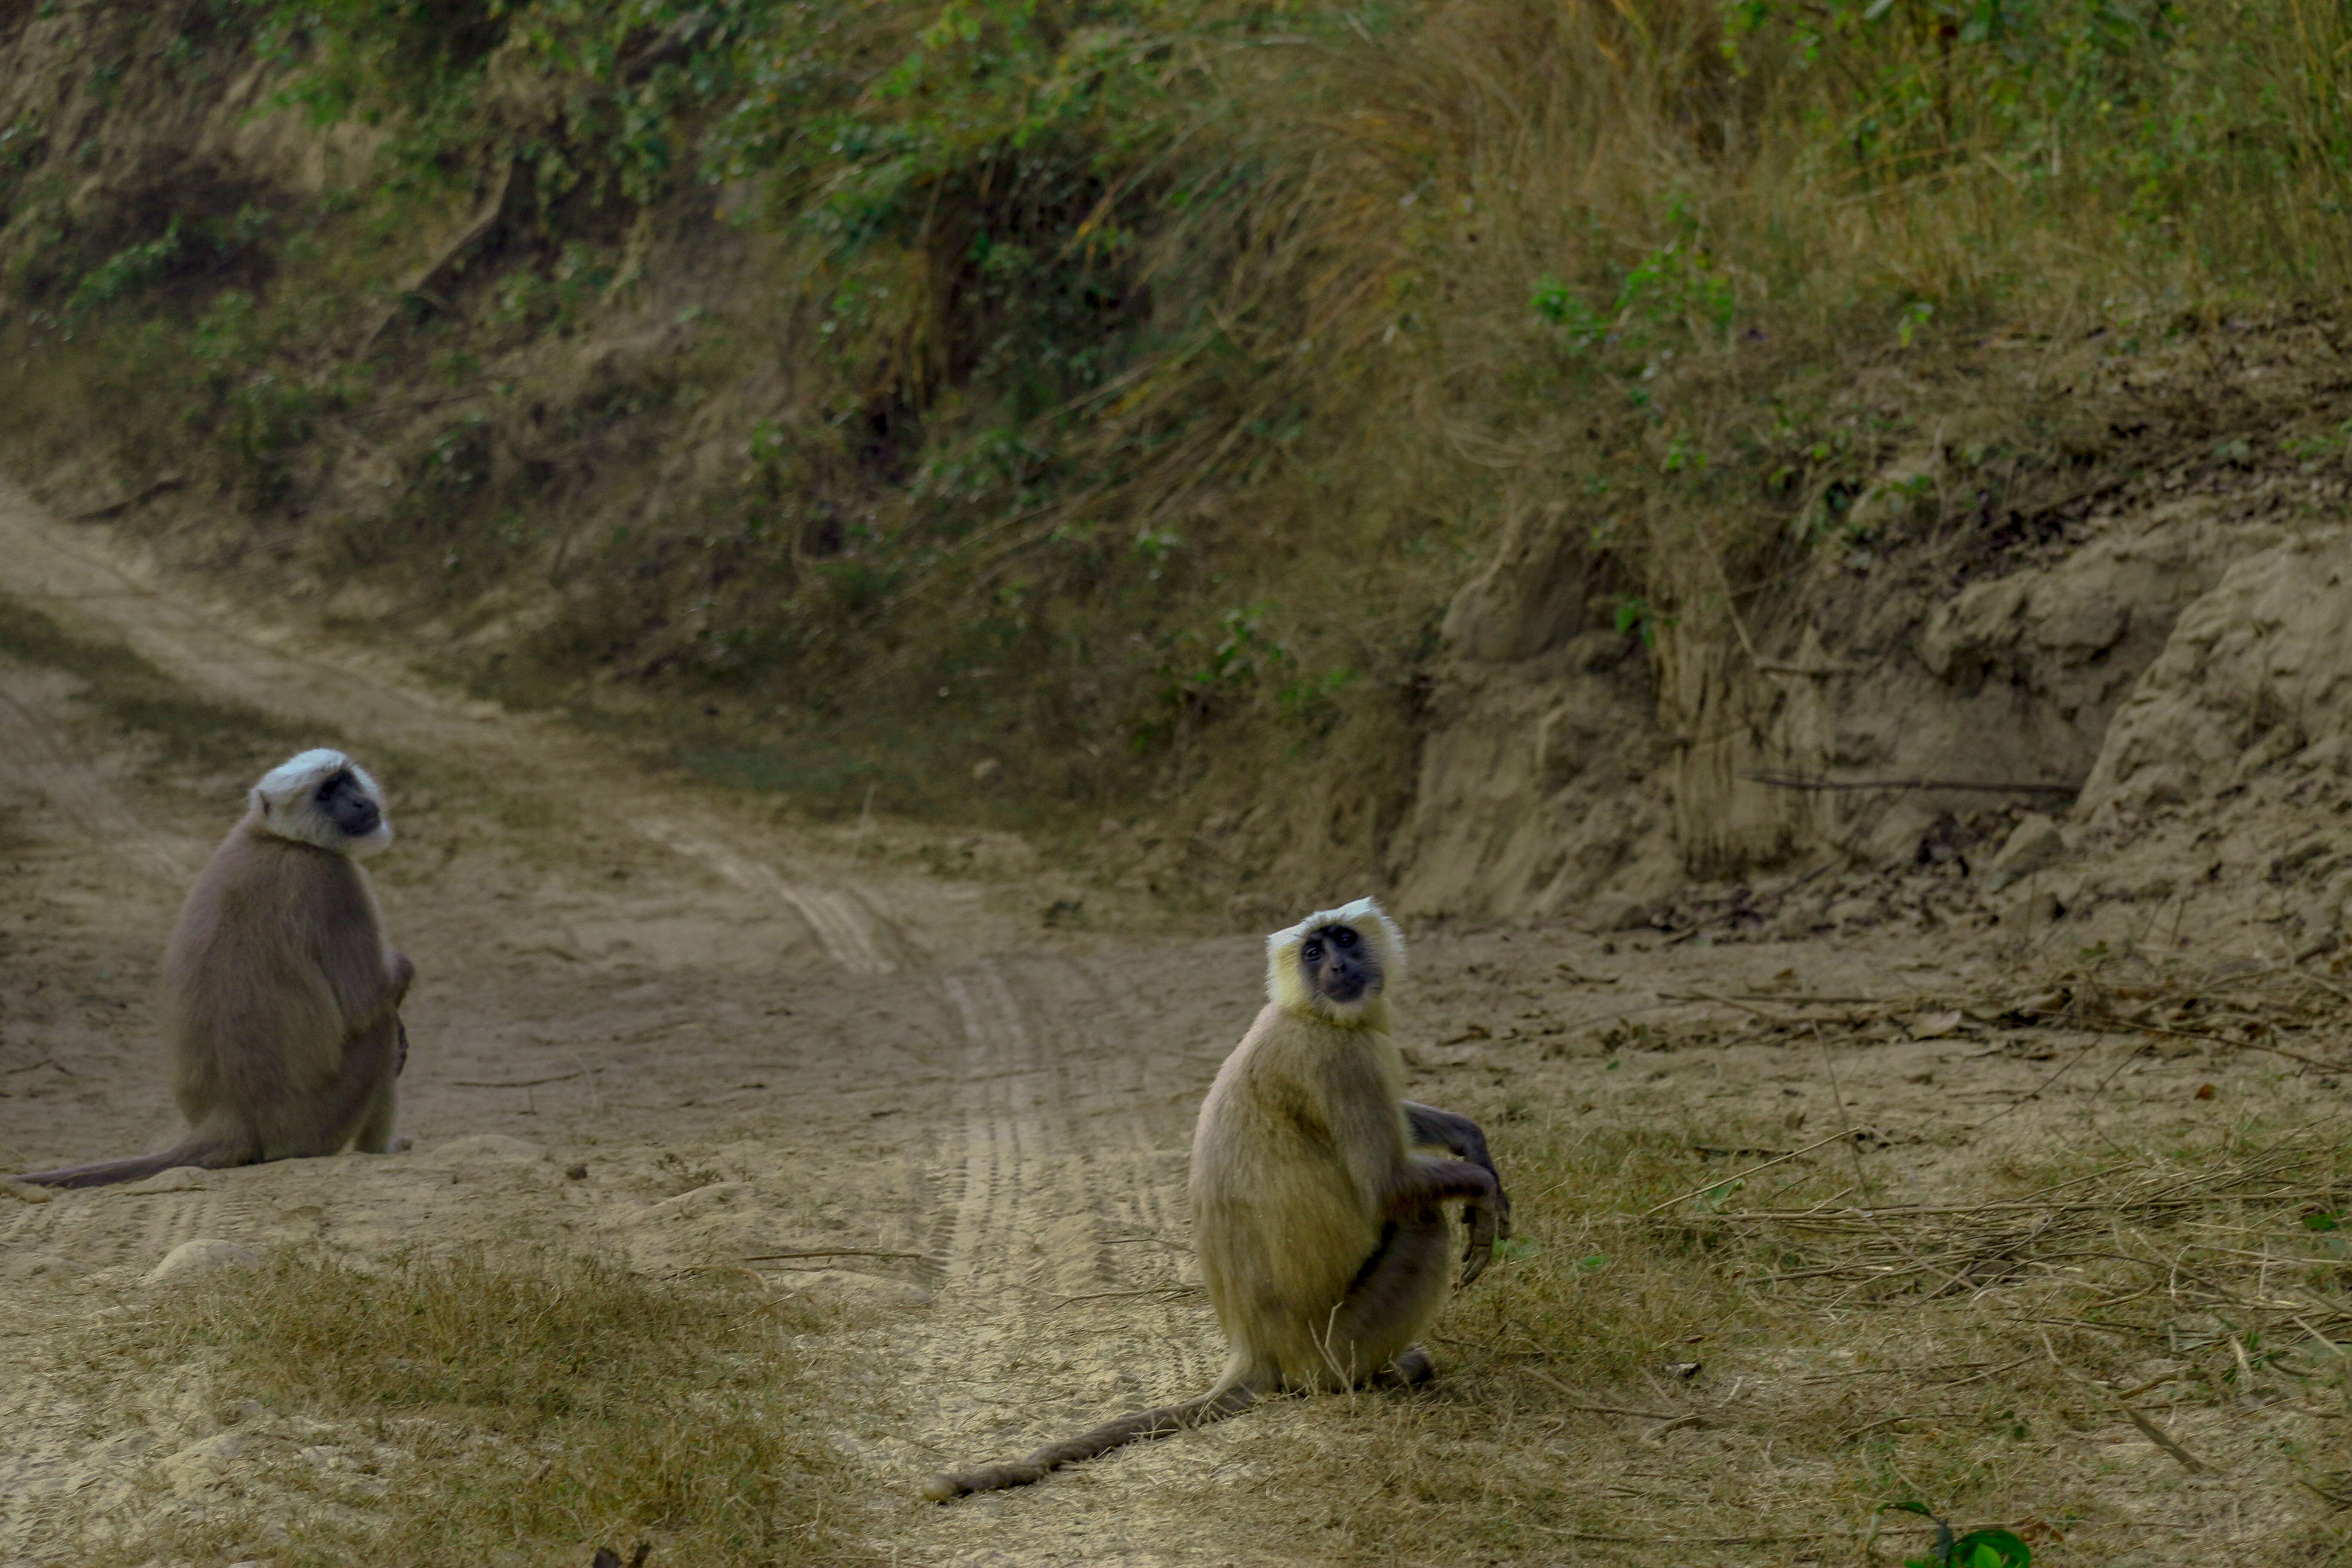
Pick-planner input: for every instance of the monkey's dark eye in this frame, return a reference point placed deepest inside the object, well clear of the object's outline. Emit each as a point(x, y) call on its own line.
point(1344, 937)
point(1312, 952)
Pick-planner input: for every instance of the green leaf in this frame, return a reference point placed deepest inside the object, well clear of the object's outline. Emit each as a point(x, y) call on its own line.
point(1990, 1549)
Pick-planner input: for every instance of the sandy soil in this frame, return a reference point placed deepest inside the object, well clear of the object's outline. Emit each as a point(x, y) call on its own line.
point(759, 1039)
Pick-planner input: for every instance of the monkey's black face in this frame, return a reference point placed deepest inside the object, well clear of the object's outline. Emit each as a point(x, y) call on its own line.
point(1340, 965)
point(347, 806)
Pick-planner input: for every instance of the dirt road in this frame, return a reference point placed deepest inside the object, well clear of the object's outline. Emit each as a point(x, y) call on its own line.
point(618, 971)
point(739, 1039)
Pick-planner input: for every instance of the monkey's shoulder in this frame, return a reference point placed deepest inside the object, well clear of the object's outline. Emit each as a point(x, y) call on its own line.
point(262, 894)
point(254, 863)
point(1305, 1078)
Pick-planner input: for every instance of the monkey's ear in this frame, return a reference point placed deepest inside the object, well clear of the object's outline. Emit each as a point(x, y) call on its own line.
point(1285, 987)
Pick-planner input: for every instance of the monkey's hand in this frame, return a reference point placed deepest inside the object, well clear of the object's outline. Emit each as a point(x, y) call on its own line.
point(1488, 1223)
point(397, 974)
point(1429, 1183)
point(1487, 1216)
point(1485, 1225)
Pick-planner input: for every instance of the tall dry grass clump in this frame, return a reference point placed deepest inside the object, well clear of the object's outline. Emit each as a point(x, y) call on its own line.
point(509, 1409)
point(1652, 255)
point(1685, 1365)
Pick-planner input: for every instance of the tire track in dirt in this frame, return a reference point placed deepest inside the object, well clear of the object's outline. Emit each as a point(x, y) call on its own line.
point(1146, 1089)
point(216, 647)
point(38, 763)
point(995, 1188)
point(837, 917)
point(1016, 1134)
point(1066, 1297)
point(92, 1228)
point(1048, 1181)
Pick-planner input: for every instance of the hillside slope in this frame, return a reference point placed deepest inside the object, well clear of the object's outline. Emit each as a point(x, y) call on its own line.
point(1262, 450)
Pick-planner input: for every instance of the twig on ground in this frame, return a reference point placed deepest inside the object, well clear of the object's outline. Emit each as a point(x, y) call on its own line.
point(2036, 1093)
point(2150, 1430)
point(1578, 1402)
point(518, 1082)
point(1766, 1539)
point(2108, 1023)
point(1750, 1170)
point(1170, 1291)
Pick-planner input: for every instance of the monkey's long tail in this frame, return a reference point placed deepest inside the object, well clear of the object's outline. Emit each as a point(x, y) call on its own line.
point(1144, 1425)
point(213, 1153)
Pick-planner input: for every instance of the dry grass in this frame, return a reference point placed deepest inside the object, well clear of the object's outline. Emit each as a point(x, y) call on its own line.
point(2139, 1359)
point(486, 1410)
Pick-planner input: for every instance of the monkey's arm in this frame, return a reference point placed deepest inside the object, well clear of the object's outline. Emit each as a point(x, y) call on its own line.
point(360, 1106)
point(1458, 1135)
point(384, 1006)
point(1369, 1129)
point(1425, 1182)
point(381, 1107)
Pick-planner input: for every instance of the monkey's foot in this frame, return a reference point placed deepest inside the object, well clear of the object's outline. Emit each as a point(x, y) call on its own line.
point(1411, 1368)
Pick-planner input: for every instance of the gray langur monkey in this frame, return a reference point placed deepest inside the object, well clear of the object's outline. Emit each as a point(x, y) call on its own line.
point(1316, 1211)
point(281, 998)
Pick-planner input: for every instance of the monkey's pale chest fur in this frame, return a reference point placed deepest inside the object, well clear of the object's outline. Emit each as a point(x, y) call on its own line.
point(1300, 1139)
point(1320, 1225)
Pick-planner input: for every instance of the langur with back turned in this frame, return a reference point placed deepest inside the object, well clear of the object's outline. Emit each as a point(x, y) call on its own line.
point(281, 996)
point(1316, 1204)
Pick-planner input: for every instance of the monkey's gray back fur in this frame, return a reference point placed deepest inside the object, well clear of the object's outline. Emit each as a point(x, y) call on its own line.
point(280, 996)
point(280, 942)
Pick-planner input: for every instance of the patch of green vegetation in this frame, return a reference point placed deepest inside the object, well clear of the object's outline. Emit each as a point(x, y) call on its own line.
point(185, 246)
point(1978, 1549)
point(824, 774)
point(1102, 318)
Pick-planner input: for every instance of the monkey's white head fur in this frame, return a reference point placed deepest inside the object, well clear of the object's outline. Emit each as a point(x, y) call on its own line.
point(286, 799)
point(1285, 985)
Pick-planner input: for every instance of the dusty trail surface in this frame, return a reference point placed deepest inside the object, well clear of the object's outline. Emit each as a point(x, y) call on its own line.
point(652, 1019)
point(754, 1043)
